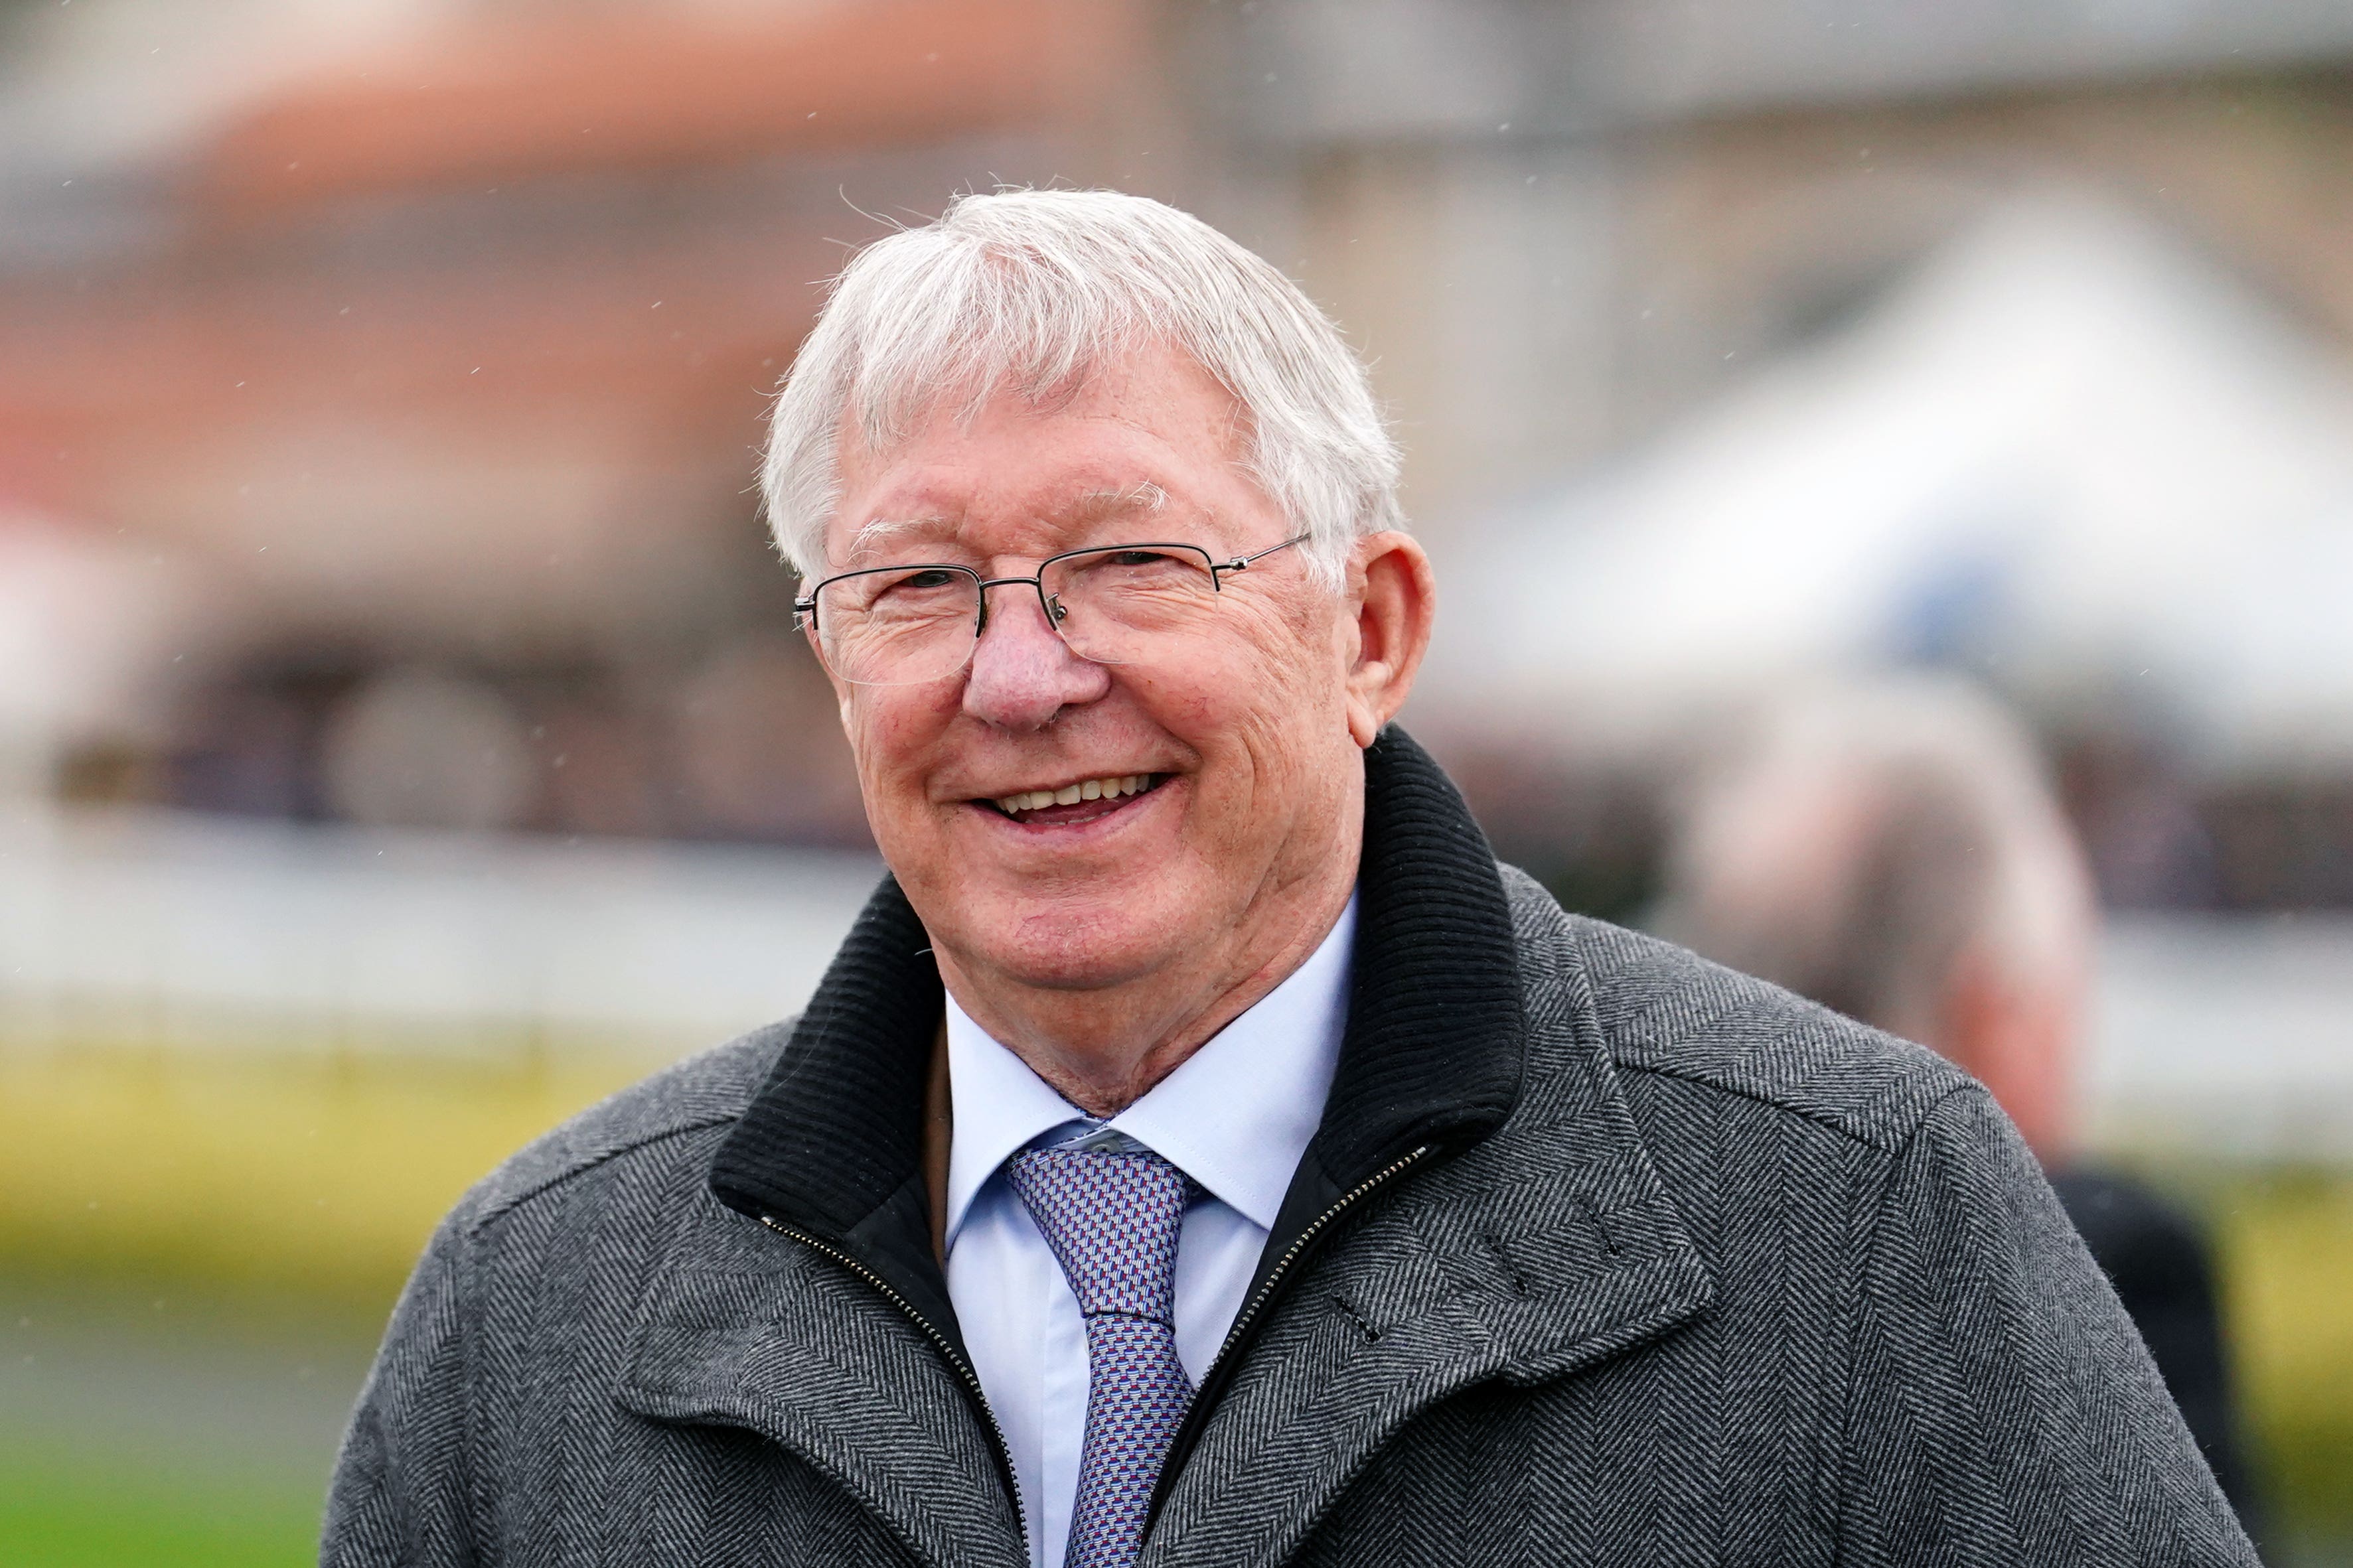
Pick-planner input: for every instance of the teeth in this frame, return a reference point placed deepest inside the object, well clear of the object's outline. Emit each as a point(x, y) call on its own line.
point(1071, 793)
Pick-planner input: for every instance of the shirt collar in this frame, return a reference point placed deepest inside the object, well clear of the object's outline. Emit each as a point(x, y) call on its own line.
point(1236, 1116)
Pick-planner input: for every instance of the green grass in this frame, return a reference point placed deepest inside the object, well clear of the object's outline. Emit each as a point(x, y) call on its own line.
point(2285, 1243)
point(313, 1178)
point(290, 1192)
point(57, 1514)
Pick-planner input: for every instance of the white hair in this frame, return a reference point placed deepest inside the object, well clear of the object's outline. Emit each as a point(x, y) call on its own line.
point(1030, 289)
point(1868, 837)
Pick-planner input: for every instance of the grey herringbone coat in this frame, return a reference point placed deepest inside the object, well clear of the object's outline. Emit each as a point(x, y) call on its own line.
point(1602, 1255)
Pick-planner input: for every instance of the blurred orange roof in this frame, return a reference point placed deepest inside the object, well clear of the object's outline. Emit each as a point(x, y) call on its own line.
point(566, 91)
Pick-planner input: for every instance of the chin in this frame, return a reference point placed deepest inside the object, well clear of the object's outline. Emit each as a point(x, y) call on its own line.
point(1081, 942)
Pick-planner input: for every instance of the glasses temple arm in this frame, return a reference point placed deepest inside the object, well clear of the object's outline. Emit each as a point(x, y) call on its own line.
point(1241, 562)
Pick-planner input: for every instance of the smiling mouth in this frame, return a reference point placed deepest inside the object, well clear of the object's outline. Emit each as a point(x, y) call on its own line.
point(1083, 801)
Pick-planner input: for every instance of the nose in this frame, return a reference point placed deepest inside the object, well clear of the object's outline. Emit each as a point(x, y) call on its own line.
point(1022, 673)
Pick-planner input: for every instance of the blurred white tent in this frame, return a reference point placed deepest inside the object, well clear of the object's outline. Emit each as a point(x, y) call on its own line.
point(2069, 451)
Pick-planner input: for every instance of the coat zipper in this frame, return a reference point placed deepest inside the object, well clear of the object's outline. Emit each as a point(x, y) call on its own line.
point(1187, 1432)
point(953, 1357)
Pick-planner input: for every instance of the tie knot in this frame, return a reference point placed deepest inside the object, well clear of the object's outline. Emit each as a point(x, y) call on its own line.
point(1111, 1219)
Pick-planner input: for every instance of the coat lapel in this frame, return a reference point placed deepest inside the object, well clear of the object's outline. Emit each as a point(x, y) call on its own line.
point(747, 1328)
point(1549, 1248)
point(817, 1313)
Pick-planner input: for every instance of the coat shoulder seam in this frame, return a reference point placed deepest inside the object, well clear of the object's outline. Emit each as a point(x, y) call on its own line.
point(508, 1202)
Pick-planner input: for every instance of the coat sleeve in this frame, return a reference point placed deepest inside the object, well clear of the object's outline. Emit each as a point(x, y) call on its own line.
point(400, 1493)
point(2001, 1407)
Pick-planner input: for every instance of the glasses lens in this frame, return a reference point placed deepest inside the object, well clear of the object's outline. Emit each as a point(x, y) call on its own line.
point(899, 626)
point(1134, 603)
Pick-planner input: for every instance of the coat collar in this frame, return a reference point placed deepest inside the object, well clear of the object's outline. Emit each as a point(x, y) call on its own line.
point(833, 1144)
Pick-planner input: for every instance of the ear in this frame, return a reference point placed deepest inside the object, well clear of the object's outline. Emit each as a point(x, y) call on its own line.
point(1393, 597)
point(2017, 1037)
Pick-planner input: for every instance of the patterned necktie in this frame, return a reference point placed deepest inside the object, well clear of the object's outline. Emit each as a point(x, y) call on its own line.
point(1112, 1220)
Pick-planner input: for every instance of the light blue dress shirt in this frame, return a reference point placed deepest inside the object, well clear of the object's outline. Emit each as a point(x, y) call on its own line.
point(1235, 1117)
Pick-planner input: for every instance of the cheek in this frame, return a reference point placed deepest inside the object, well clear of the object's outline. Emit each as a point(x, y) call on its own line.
point(891, 735)
point(1276, 700)
point(1294, 676)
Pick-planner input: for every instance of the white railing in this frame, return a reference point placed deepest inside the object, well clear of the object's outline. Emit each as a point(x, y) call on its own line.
point(150, 928)
point(2230, 1034)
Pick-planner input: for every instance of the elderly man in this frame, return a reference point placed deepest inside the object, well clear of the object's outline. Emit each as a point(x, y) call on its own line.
point(1200, 1151)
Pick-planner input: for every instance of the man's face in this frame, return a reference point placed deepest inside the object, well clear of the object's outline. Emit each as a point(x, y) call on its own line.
point(1253, 780)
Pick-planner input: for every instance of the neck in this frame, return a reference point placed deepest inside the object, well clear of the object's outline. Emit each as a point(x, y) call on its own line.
point(1102, 1049)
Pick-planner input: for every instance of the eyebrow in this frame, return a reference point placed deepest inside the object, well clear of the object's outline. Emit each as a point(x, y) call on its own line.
point(881, 531)
point(1102, 506)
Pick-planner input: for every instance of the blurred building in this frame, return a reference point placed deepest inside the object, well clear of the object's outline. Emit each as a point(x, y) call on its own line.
point(428, 345)
point(1562, 227)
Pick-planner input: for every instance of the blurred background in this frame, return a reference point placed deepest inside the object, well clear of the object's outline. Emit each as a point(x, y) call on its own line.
point(403, 741)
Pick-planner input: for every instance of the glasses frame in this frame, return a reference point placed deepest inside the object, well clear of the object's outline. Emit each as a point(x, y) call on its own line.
point(1049, 604)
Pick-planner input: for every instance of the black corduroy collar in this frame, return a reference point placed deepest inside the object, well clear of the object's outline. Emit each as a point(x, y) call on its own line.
point(832, 1145)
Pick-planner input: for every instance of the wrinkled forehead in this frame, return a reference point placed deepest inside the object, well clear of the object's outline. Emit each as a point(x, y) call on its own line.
point(1086, 517)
